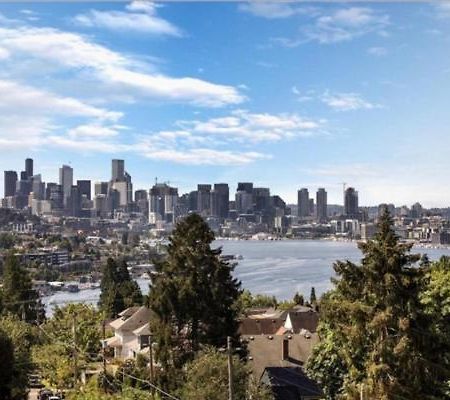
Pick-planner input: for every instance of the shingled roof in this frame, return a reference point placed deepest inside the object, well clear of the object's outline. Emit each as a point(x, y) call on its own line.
point(290, 383)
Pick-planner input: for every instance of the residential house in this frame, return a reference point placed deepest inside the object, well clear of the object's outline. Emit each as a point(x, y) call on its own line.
point(290, 383)
point(131, 333)
point(283, 340)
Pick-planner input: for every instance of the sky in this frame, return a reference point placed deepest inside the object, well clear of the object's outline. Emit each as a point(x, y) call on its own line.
point(285, 95)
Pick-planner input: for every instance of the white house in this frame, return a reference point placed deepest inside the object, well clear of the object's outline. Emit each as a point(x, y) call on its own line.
point(131, 333)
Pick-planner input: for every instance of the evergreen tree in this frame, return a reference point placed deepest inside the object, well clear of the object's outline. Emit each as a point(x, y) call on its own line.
point(299, 299)
point(19, 297)
point(375, 329)
point(312, 296)
point(118, 289)
point(192, 295)
point(7, 365)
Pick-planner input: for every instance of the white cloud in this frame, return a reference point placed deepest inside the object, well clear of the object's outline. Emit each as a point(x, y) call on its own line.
point(14, 127)
point(346, 101)
point(200, 156)
point(442, 9)
point(86, 145)
point(339, 26)
point(94, 130)
point(377, 51)
point(347, 24)
point(4, 54)
point(274, 10)
point(303, 96)
point(21, 99)
point(127, 21)
point(148, 7)
point(196, 91)
point(242, 125)
point(112, 69)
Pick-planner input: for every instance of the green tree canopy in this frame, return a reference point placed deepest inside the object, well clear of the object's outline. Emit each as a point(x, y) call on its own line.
point(375, 333)
point(7, 365)
point(58, 343)
point(118, 289)
point(19, 297)
point(192, 295)
point(16, 339)
point(436, 299)
point(207, 378)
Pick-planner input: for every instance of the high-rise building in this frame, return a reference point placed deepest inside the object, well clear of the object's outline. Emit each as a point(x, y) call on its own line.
point(29, 167)
point(244, 198)
point(140, 195)
point(321, 205)
point(220, 198)
point(416, 210)
point(38, 187)
point(163, 202)
point(204, 199)
point(245, 187)
point(10, 183)
point(141, 199)
point(351, 208)
point(118, 170)
point(127, 178)
point(192, 201)
point(84, 187)
point(74, 202)
point(303, 203)
point(122, 188)
point(101, 188)
point(261, 199)
point(66, 181)
point(244, 202)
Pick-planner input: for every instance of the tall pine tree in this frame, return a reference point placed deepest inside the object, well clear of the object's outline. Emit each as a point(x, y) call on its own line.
point(18, 296)
point(375, 333)
point(192, 295)
point(118, 289)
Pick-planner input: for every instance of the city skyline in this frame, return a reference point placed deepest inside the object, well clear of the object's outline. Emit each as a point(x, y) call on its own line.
point(180, 99)
point(314, 199)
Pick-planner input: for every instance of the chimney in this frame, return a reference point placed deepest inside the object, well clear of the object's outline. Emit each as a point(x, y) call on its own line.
point(285, 350)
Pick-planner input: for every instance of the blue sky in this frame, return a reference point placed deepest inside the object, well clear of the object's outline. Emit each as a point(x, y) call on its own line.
point(285, 95)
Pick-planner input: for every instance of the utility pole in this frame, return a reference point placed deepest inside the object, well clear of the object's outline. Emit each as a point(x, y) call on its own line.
point(361, 392)
point(230, 368)
point(74, 350)
point(150, 346)
point(104, 346)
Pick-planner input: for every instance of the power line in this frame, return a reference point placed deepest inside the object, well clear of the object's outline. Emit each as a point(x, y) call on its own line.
point(152, 385)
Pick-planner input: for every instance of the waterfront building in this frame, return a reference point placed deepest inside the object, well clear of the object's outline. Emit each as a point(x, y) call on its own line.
point(304, 207)
point(351, 203)
point(220, 198)
point(321, 205)
point(204, 199)
point(261, 199)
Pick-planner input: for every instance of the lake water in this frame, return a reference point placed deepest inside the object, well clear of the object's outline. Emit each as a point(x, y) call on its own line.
point(278, 268)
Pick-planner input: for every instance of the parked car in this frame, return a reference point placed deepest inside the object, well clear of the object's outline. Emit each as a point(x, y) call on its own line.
point(45, 394)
